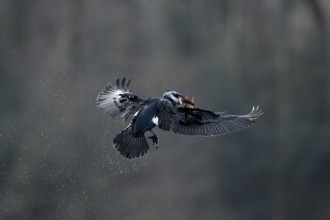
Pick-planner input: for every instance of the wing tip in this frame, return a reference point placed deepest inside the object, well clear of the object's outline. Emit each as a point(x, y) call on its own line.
point(255, 113)
point(122, 84)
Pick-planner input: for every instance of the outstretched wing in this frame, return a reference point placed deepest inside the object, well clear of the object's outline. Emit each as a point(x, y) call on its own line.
point(194, 121)
point(118, 101)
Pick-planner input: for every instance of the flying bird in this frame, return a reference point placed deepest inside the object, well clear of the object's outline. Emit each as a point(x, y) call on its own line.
point(173, 111)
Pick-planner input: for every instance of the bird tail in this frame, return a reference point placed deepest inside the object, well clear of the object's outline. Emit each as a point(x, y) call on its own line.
point(129, 145)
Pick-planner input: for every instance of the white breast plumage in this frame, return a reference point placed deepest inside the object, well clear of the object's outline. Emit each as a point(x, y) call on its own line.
point(155, 120)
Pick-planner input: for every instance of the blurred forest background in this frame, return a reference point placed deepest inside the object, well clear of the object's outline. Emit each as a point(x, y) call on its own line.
point(56, 155)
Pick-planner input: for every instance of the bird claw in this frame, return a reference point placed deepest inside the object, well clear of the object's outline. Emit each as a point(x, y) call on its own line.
point(154, 140)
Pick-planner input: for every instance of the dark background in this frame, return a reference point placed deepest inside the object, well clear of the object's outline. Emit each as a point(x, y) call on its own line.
point(56, 155)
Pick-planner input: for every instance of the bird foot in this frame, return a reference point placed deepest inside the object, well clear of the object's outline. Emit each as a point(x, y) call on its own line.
point(154, 139)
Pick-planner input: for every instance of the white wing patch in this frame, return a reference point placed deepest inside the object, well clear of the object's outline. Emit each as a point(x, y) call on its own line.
point(107, 100)
point(118, 101)
point(155, 120)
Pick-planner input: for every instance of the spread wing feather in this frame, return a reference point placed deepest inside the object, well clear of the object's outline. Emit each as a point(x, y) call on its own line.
point(194, 121)
point(118, 101)
point(166, 111)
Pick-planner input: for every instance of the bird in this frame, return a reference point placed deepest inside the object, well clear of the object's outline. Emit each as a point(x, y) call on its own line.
point(173, 111)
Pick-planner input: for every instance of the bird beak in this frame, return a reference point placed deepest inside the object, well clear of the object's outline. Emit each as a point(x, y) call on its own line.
point(189, 101)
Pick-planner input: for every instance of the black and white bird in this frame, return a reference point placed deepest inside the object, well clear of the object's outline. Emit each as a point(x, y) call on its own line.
point(172, 112)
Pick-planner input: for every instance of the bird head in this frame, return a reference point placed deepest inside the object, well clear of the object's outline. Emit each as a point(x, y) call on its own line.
point(178, 99)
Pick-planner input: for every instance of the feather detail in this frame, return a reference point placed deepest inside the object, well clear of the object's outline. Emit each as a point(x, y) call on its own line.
point(118, 101)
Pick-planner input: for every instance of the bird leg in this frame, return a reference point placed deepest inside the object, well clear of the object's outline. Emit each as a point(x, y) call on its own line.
point(154, 139)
